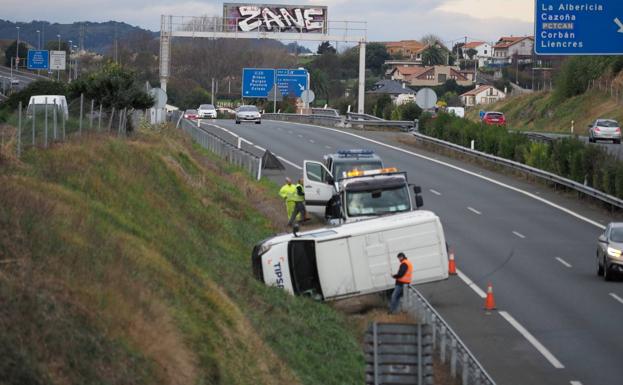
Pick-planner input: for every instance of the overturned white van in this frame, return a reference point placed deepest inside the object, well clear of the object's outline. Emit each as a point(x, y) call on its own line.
point(355, 258)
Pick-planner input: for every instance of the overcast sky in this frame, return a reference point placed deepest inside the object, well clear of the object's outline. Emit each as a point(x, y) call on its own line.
point(386, 20)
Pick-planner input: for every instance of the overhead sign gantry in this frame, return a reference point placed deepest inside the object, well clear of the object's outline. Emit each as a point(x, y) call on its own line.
point(265, 21)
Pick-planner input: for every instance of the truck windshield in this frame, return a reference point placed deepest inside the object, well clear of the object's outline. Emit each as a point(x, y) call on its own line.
point(378, 202)
point(303, 268)
point(341, 167)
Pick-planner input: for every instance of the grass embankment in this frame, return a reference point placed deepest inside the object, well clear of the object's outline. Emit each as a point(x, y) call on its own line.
point(127, 262)
point(543, 112)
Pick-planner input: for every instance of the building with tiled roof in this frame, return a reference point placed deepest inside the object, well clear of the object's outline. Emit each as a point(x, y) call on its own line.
point(409, 49)
point(482, 94)
point(430, 76)
point(508, 47)
point(484, 51)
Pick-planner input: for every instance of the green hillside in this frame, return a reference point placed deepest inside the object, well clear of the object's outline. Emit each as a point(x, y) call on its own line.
point(128, 262)
point(542, 112)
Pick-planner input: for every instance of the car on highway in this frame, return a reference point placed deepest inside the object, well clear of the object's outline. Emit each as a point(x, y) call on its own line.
point(206, 111)
point(494, 118)
point(604, 129)
point(191, 114)
point(248, 114)
point(14, 82)
point(610, 251)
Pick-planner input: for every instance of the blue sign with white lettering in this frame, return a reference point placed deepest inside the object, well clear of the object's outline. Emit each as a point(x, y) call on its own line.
point(291, 82)
point(572, 27)
point(257, 82)
point(38, 59)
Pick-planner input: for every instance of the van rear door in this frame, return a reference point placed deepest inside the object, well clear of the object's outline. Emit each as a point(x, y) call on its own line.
point(318, 190)
point(275, 269)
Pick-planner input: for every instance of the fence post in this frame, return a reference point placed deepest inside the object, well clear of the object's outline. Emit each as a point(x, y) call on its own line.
point(46, 124)
point(99, 120)
point(81, 113)
point(442, 349)
point(465, 369)
point(55, 120)
point(19, 130)
point(91, 116)
point(453, 354)
point(34, 118)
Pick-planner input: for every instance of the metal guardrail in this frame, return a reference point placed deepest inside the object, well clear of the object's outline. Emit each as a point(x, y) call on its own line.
point(355, 116)
point(241, 158)
point(463, 363)
point(326, 112)
point(405, 125)
point(586, 190)
point(340, 121)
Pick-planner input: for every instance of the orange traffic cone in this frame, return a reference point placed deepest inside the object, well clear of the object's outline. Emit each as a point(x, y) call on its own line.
point(451, 263)
point(490, 302)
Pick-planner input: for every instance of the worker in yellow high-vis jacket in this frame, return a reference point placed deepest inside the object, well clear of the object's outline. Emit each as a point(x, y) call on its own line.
point(288, 194)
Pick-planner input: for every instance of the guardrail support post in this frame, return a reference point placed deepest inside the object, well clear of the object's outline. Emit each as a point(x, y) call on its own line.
point(375, 341)
point(453, 354)
point(472, 144)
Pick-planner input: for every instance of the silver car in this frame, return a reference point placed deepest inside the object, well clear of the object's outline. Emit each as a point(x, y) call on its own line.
point(248, 114)
point(206, 111)
point(610, 250)
point(604, 129)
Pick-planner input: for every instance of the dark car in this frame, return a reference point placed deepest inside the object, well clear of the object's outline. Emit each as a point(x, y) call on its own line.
point(494, 118)
point(610, 250)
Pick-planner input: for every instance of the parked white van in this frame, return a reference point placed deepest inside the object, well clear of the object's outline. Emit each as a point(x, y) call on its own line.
point(355, 258)
point(38, 102)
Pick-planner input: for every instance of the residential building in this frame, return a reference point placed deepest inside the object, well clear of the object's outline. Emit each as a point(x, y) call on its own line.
point(407, 49)
point(484, 52)
point(430, 76)
point(482, 94)
point(508, 48)
point(390, 65)
point(398, 91)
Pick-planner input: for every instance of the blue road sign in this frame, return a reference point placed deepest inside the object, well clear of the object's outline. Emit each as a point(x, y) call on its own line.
point(291, 82)
point(256, 82)
point(38, 59)
point(565, 27)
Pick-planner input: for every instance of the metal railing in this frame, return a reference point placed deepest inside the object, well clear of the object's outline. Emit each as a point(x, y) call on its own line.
point(236, 156)
point(545, 175)
point(321, 120)
point(446, 342)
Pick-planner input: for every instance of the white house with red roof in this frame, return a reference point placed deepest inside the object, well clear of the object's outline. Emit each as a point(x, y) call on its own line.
point(505, 49)
point(483, 54)
point(482, 95)
point(430, 76)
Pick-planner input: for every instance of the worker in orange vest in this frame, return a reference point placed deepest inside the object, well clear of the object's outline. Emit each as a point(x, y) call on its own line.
point(403, 277)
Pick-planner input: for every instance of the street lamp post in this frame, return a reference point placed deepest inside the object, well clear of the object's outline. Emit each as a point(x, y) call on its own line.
point(38, 39)
point(58, 72)
point(70, 49)
point(17, 51)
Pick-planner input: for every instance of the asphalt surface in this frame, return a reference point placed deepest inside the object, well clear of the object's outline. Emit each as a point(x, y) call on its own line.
point(538, 257)
point(24, 78)
point(608, 145)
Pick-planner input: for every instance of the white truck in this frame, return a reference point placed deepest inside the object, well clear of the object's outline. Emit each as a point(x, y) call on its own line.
point(355, 258)
point(356, 190)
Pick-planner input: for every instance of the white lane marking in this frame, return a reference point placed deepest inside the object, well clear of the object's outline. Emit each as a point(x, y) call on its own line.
point(311, 141)
point(565, 263)
point(474, 211)
point(537, 345)
point(616, 297)
point(288, 162)
point(259, 147)
point(520, 235)
point(471, 284)
point(435, 192)
point(457, 168)
point(575, 383)
point(327, 147)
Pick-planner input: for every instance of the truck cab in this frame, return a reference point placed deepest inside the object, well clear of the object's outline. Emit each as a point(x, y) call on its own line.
point(360, 189)
point(353, 259)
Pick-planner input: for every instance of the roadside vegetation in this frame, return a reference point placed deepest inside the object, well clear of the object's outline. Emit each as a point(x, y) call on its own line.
point(568, 157)
point(127, 261)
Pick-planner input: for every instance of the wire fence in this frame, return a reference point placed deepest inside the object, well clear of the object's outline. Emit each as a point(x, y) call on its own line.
point(51, 120)
point(608, 86)
point(230, 153)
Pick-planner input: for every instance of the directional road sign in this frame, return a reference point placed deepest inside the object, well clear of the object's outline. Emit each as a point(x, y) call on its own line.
point(257, 82)
point(292, 82)
point(58, 60)
point(38, 59)
point(564, 27)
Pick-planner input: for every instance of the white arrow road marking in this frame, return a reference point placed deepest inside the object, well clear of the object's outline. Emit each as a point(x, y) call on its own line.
point(565, 263)
point(619, 24)
point(537, 345)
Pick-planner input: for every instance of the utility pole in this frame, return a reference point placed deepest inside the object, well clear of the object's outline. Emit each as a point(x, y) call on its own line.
point(17, 52)
point(58, 72)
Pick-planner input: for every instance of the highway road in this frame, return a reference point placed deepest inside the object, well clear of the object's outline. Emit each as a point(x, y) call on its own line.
point(557, 322)
point(24, 77)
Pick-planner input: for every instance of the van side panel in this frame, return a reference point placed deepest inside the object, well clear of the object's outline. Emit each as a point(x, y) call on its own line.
point(335, 268)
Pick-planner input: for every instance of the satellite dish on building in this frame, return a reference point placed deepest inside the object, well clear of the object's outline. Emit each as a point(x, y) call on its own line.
point(308, 96)
point(160, 97)
point(426, 98)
